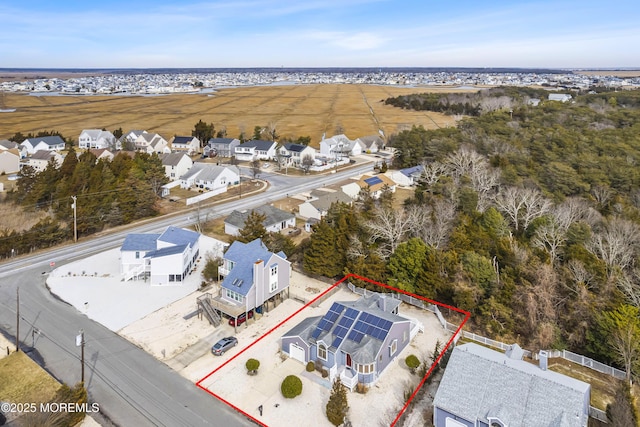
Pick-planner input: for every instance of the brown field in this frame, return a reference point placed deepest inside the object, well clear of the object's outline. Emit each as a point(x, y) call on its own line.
point(301, 110)
point(617, 73)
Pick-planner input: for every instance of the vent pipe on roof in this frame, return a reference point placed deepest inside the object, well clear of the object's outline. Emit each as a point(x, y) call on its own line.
point(543, 356)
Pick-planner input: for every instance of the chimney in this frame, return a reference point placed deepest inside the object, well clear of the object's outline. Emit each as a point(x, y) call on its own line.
point(543, 357)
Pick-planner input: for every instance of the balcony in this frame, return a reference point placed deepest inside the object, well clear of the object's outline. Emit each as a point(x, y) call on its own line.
point(223, 271)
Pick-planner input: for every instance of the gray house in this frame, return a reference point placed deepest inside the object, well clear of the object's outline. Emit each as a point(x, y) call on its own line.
point(355, 340)
point(221, 147)
point(485, 388)
point(252, 276)
point(275, 219)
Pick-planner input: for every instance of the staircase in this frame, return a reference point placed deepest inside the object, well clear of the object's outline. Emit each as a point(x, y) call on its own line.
point(204, 303)
point(134, 273)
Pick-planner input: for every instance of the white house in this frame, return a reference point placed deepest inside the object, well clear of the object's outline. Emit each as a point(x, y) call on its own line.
point(96, 138)
point(339, 146)
point(275, 219)
point(127, 141)
point(9, 161)
point(185, 144)
point(152, 143)
point(256, 150)
point(175, 164)
point(319, 207)
point(221, 147)
point(371, 143)
point(40, 159)
point(408, 176)
point(562, 97)
point(210, 177)
point(166, 259)
point(49, 143)
point(293, 154)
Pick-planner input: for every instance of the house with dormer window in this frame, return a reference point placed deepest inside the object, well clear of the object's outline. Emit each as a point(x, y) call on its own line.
point(355, 340)
point(253, 275)
point(97, 138)
point(47, 143)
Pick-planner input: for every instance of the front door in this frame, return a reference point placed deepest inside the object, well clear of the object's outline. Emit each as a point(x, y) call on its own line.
point(348, 364)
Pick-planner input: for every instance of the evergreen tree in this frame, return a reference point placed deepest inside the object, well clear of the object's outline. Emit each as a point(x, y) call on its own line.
point(203, 131)
point(254, 229)
point(337, 406)
point(321, 256)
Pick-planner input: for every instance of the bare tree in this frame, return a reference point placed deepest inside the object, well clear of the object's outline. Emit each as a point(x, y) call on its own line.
point(601, 194)
point(629, 285)
point(550, 237)
point(580, 274)
point(522, 205)
point(484, 179)
point(433, 224)
point(616, 244)
point(432, 172)
point(389, 228)
point(307, 162)
point(572, 210)
point(255, 168)
point(463, 161)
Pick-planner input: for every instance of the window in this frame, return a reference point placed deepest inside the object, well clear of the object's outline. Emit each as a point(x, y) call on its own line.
point(274, 270)
point(273, 278)
point(172, 277)
point(233, 295)
point(393, 347)
point(137, 255)
point(365, 369)
point(405, 336)
point(322, 351)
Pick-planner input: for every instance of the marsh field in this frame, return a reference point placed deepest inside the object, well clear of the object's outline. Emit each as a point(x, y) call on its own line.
point(294, 110)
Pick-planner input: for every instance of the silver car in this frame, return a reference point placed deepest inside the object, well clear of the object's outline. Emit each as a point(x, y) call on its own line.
point(223, 345)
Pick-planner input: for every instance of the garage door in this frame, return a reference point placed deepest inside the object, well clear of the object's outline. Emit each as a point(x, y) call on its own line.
point(296, 352)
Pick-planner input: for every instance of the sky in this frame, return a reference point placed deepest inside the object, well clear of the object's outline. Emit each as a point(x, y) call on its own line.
point(566, 34)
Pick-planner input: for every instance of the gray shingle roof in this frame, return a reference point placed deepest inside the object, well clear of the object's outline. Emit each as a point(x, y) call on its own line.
point(207, 171)
point(171, 159)
point(244, 255)
point(179, 236)
point(140, 242)
point(324, 202)
point(273, 216)
point(49, 140)
point(259, 144)
point(480, 383)
point(42, 155)
point(169, 250)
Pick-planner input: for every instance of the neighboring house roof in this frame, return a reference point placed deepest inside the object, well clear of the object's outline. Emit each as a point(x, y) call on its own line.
point(356, 327)
point(224, 141)
point(5, 144)
point(244, 255)
point(414, 171)
point(259, 144)
point(171, 159)
point(273, 216)
point(480, 383)
point(324, 202)
point(51, 141)
point(299, 148)
point(43, 155)
point(140, 242)
point(376, 182)
point(368, 141)
point(207, 171)
point(182, 140)
point(179, 236)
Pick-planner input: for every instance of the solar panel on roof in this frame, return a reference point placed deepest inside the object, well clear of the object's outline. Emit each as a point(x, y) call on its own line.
point(346, 322)
point(373, 180)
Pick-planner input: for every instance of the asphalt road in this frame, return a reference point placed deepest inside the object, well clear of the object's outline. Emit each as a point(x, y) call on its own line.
point(131, 387)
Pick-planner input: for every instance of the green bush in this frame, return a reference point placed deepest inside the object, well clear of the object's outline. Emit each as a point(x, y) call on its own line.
point(412, 362)
point(291, 387)
point(252, 365)
point(311, 366)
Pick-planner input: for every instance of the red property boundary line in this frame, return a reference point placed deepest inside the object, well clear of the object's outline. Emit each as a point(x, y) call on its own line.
point(355, 276)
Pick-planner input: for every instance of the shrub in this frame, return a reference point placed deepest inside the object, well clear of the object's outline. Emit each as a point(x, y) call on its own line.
point(412, 362)
point(325, 373)
point(252, 366)
point(361, 388)
point(291, 387)
point(311, 366)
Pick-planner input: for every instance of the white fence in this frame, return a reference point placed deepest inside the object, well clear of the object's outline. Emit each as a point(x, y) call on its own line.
point(204, 196)
point(564, 354)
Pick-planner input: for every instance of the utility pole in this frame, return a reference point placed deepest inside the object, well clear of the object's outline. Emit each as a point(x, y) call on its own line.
point(80, 343)
point(75, 219)
point(18, 319)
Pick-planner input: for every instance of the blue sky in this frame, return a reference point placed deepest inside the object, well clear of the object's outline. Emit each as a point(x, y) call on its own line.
point(319, 33)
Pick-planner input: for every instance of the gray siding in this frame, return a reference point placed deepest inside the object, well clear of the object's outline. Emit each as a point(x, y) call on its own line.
point(395, 333)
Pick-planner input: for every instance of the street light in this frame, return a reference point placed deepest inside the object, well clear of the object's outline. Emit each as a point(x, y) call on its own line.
point(75, 221)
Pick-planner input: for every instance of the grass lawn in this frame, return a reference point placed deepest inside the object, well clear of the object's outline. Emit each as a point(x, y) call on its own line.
point(22, 380)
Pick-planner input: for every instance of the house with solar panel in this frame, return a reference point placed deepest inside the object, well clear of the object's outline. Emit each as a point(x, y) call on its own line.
point(355, 340)
point(376, 185)
point(253, 276)
point(185, 144)
point(165, 259)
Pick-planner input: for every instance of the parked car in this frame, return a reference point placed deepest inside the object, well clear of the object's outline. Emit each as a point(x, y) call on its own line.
point(223, 345)
point(241, 319)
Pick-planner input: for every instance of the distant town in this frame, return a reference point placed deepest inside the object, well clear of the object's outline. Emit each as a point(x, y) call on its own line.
point(148, 82)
